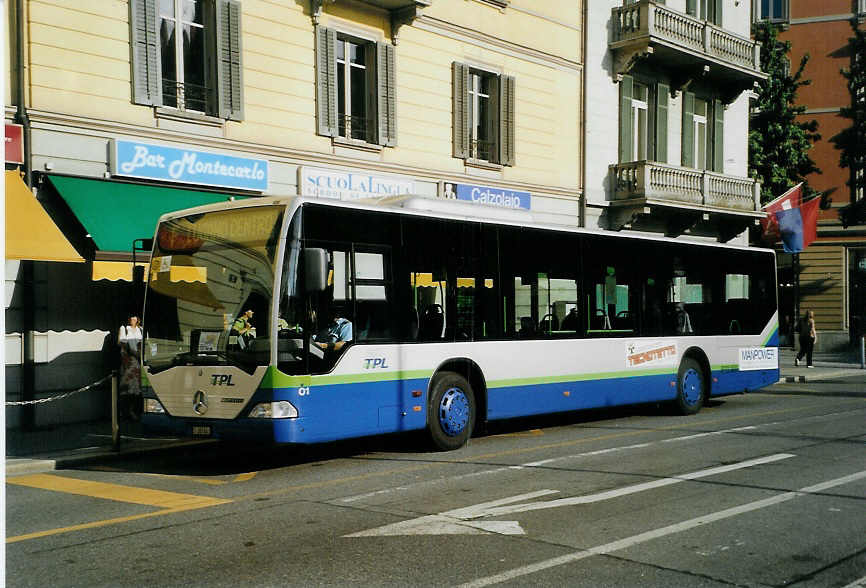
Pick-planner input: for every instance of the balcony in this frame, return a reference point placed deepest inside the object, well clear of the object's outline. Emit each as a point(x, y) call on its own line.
point(687, 46)
point(400, 11)
point(683, 199)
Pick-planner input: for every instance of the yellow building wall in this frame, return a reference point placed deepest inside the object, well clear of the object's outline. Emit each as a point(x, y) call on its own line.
point(80, 66)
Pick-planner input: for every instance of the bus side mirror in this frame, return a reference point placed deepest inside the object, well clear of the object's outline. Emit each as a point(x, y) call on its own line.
point(315, 270)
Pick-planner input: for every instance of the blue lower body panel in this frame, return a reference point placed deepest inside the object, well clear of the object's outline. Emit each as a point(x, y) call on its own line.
point(735, 381)
point(341, 411)
point(517, 401)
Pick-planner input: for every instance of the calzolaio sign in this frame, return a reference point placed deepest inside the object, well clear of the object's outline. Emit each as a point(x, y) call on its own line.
point(147, 161)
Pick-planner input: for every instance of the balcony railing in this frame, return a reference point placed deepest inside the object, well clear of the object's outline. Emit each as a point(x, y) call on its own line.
point(648, 19)
point(663, 182)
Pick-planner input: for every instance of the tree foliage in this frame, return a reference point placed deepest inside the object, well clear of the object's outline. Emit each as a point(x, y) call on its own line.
point(852, 141)
point(778, 144)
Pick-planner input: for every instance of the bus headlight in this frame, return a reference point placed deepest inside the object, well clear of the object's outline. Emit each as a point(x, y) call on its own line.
point(274, 410)
point(152, 405)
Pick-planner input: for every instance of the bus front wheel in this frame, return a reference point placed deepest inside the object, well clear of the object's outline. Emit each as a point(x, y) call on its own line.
point(690, 387)
point(450, 411)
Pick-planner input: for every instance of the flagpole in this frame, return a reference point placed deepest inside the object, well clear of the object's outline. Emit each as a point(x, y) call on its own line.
point(797, 326)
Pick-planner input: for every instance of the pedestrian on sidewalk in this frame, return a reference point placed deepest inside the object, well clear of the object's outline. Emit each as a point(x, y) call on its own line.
point(129, 339)
point(808, 336)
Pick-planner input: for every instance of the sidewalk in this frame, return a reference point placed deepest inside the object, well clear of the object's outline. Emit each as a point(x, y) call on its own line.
point(76, 444)
point(828, 366)
point(63, 446)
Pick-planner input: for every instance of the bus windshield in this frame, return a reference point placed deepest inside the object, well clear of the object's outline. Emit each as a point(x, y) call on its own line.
point(210, 287)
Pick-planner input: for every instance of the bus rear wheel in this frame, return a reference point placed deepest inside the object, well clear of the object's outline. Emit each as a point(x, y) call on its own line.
point(450, 411)
point(691, 387)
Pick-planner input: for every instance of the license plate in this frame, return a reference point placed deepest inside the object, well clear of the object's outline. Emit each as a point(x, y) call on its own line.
point(200, 431)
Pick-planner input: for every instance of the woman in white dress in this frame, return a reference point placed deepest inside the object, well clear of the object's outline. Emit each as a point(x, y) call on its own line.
point(129, 338)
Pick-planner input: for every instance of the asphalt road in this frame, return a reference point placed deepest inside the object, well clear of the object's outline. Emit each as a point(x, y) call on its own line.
point(766, 489)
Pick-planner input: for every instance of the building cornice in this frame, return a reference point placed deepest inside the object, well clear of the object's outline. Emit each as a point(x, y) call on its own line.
point(825, 18)
point(464, 35)
point(89, 127)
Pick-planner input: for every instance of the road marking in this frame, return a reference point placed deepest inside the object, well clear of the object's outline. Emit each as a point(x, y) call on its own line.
point(861, 583)
point(245, 477)
point(169, 502)
point(207, 481)
point(533, 464)
point(117, 492)
point(93, 525)
point(662, 532)
point(461, 521)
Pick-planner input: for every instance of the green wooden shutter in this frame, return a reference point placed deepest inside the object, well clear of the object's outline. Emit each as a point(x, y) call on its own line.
point(230, 70)
point(386, 98)
point(718, 136)
point(691, 7)
point(688, 129)
point(626, 132)
point(146, 70)
point(506, 120)
point(661, 123)
point(326, 81)
point(460, 109)
point(717, 12)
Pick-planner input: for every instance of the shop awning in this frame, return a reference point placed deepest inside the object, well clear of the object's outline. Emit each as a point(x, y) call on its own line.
point(115, 213)
point(30, 232)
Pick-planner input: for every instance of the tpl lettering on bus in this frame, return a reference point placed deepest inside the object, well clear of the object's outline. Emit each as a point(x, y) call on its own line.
point(375, 363)
point(221, 380)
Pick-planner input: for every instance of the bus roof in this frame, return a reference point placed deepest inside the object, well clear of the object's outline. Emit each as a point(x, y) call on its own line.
point(445, 209)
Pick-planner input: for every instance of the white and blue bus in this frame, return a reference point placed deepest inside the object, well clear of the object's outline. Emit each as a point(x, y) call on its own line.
point(453, 320)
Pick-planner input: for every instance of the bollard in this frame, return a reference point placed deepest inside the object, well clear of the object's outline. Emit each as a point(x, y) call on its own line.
point(115, 428)
point(863, 352)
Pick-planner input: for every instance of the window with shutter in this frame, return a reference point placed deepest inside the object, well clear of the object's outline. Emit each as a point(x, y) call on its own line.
point(661, 122)
point(186, 56)
point(355, 88)
point(626, 88)
point(483, 115)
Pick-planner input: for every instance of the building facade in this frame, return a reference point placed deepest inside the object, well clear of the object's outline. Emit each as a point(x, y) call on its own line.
point(129, 109)
point(667, 113)
point(832, 279)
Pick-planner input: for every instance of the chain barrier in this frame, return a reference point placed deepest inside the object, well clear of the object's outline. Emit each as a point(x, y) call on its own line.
point(59, 396)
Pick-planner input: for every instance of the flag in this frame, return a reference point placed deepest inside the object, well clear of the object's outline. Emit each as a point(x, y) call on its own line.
point(787, 201)
point(798, 226)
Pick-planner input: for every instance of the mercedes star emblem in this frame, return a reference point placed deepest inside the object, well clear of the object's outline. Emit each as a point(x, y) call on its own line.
point(199, 402)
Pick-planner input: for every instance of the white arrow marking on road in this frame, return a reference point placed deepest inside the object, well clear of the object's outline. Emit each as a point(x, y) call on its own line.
point(460, 521)
point(454, 522)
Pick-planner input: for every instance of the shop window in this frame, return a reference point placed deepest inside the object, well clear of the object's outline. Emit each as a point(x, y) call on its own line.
point(356, 88)
point(483, 115)
point(187, 56)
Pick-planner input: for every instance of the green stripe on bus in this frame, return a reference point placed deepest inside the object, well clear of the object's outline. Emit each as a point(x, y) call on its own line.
point(773, 331)
point(277, 379)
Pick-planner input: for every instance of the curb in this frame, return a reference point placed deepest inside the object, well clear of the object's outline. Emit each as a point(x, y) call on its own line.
point(23, 466)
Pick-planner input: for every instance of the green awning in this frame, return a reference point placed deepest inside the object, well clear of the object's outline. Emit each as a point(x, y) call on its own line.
point(115, 213)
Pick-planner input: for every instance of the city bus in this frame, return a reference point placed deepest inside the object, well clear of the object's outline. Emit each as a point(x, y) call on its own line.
point(458, 314)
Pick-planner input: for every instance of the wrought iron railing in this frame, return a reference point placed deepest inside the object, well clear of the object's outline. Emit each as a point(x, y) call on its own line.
point(185, 96)
point(354, 127)
point(482, 150)
point(661, 181)
point(646, 18)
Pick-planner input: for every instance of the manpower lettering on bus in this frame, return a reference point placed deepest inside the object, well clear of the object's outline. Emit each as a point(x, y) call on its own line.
point(758, 358)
